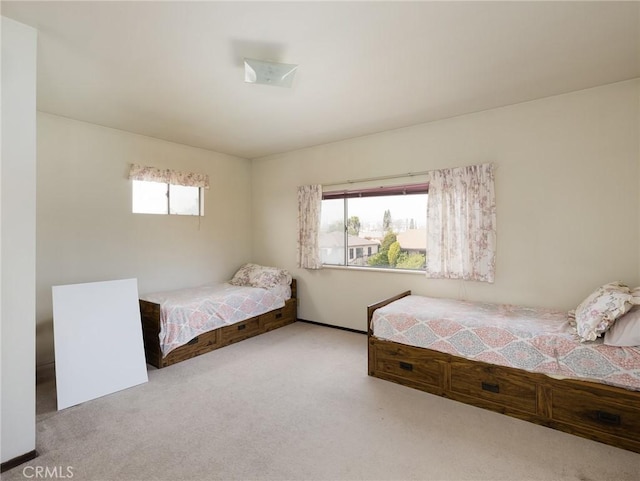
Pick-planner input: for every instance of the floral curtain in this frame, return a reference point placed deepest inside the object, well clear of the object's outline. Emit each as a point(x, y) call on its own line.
point(166, 176)
point(309, 206)
point(461, 224)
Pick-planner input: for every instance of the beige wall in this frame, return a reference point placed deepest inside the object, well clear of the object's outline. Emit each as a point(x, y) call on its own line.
point(18, 240)
point(86, 231)
point(567, 190)
point(567, 199)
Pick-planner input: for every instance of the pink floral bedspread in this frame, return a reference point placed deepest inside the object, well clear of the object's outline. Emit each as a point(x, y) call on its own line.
point(187, 313)
point(532, 339)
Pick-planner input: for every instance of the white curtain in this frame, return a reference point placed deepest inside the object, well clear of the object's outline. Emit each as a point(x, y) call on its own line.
point(461, 224)
point(309, 207)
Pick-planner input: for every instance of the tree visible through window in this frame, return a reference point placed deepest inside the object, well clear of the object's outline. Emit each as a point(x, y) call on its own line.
point(383, 227)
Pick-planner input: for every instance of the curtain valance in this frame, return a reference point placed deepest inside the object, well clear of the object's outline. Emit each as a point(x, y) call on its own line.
point(168, 176)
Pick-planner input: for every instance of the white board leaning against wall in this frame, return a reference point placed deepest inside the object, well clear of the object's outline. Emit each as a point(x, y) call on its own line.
point(98, 340)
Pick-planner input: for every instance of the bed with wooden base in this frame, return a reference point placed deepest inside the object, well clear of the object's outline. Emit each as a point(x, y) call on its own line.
point(601, 412)
point(213, 339)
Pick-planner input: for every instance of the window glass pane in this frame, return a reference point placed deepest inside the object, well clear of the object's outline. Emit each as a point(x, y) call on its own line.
point(383, 232)
point(394, 227)
point(149, 197)
point(332, 232)
point(184, 200)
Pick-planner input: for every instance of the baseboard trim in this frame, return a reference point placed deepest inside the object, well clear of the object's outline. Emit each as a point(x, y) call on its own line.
point(357, 331)
point(18, 460)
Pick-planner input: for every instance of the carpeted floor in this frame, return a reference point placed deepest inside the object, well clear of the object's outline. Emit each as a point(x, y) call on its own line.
point(297, 404)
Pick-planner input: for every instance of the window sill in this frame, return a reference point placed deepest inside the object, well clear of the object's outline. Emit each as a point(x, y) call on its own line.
point(373, 269)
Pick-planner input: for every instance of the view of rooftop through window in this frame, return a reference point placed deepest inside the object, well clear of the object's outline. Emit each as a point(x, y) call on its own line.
point(387, 231)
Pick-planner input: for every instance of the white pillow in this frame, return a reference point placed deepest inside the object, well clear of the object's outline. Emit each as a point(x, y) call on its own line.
point(599, 311)
point(626, 330)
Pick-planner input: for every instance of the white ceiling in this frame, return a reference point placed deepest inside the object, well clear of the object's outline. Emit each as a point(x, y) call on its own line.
point(173, 70)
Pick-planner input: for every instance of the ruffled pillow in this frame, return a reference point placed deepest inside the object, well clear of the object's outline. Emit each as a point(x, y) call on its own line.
point(255, 275)
point(241, 277)
point(597, 313)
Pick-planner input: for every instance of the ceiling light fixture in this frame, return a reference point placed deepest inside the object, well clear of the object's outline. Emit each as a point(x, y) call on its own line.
point(268, 73)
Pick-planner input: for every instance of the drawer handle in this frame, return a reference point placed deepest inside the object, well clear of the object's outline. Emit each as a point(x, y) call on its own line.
point(278, 315)
point(241, 327)
point(407, 366)
point(608, 418)
point(192, 341)
point(490, 387)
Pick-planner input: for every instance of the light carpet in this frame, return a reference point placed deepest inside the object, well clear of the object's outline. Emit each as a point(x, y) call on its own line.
point(297, 404)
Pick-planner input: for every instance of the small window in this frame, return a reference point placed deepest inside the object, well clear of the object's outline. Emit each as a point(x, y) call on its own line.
point(161, 198)
point(388, 223)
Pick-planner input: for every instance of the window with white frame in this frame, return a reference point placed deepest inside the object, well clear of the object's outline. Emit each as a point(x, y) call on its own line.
point(159, 198)
point(158, 191)
point(383, 227)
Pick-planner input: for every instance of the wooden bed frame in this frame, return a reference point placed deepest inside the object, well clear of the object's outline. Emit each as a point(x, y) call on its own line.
point(211, 340)
point(595, 411)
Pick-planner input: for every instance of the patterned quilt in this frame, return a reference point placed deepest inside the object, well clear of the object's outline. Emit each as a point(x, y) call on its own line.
point(532, 339)
point(187, 313)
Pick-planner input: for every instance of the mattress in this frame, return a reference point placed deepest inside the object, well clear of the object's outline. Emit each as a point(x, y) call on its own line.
point(187, 313)
point(533, 339)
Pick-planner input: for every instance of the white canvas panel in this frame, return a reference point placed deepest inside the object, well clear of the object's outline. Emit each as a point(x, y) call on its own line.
point(98, 340)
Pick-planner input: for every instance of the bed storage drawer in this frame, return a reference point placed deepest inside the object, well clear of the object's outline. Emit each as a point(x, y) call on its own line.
point(279, 317)
point(407, 363)
point(196, 346)
point(601, 411)
point(240, 331)
point(490, 383)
